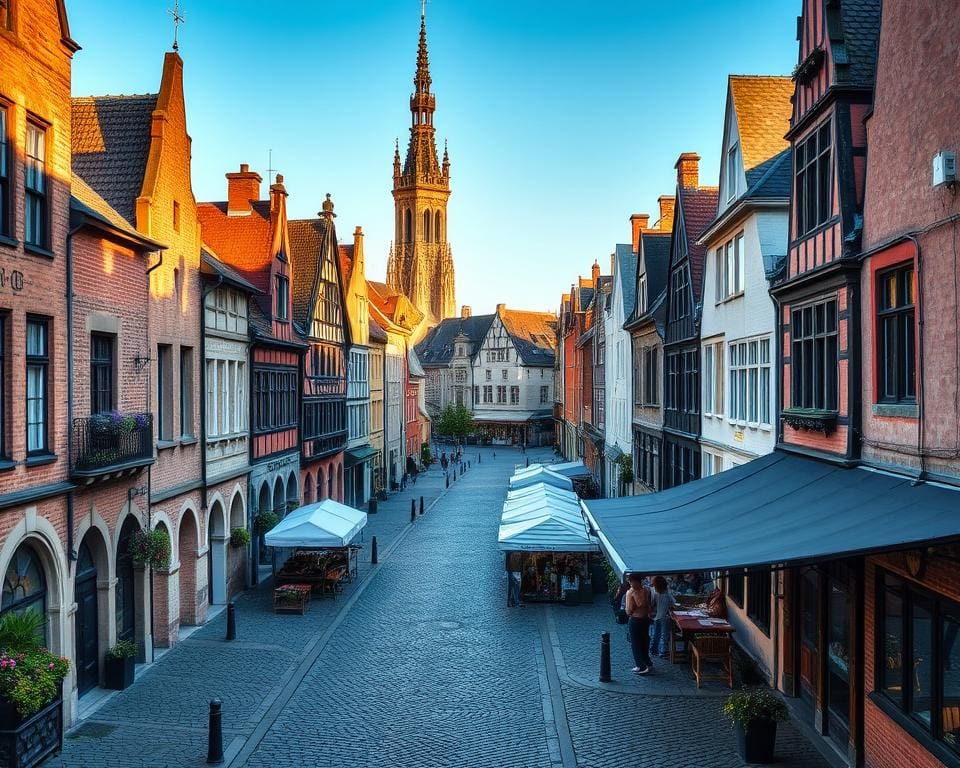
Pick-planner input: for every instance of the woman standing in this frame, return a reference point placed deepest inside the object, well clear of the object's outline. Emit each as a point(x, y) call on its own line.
point(638, 605)
point(663, 601)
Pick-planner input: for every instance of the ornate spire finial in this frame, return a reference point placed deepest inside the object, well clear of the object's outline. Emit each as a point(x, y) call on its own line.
point(327, 211)
point(422, 79)
point(178, 19)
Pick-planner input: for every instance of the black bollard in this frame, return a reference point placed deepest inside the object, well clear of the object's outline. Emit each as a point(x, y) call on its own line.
point(446, 481)
point(215, 734)
point(421, 505)
point(604, 657)
point(454, 475)
point(528, 462)
point(478, 458)
point(413, 510)
point(373, 551)
point(231, 622)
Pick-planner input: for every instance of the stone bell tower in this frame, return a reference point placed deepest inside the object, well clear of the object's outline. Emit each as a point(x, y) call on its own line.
point(420, 264)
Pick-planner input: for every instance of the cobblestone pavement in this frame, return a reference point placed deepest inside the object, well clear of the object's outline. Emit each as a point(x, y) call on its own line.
point(418, 663)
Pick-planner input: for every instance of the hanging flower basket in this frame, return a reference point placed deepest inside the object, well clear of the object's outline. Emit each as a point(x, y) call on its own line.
point(239, 538)
point(150, 548)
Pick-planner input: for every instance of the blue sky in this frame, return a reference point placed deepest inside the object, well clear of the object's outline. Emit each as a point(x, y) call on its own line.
point(563, 118)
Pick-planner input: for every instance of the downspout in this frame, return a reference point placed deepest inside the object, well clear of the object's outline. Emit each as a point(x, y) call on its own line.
point(921, 399)
point(71, 553)
point(150, 466)
point(778, 576)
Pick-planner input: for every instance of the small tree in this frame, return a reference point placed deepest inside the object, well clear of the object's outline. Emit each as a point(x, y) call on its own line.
point(455, 421)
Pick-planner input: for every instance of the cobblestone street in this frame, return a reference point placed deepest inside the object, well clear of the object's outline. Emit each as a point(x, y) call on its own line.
point(417, 663)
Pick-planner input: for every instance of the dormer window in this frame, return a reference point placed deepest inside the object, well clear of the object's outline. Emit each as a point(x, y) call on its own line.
point(733, 171)
point(283, 297)
point(642, 294)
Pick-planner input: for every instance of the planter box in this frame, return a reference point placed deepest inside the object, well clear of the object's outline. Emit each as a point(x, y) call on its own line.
point(118, 673)
point(756, 743)
point(26, 742)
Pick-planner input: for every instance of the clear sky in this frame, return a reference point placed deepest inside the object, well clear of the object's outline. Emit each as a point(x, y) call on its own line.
point(563, 117)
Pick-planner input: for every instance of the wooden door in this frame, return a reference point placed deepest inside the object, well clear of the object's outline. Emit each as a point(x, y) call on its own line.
point(88, 661)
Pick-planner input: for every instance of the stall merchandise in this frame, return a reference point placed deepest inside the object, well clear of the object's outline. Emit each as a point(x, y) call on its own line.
point(547, 576)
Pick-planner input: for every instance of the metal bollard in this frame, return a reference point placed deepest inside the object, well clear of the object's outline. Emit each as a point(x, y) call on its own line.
point(528, 462)
point(604, 657)
point(215, 734)
point(446, 481)
point(421, 505)
point(373, 551)
point(454, 475)
point(478, 458)
point(231, 622)
point(413, 510)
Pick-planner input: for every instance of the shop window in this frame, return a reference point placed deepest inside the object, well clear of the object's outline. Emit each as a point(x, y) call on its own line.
point(918, 663)
point(24, 586)
point(814, 356)
point(896, 336)
point(735, 587)
point(758, 599)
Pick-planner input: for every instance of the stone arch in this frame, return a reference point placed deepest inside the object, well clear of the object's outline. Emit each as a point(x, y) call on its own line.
point(188, 534)
point(217, 537)
point(437, 227)
point(330, 489)
point(166, 606)
point(131, 591)
point(308, 489)
point(92, 588)
point(236, 556)
point(40, 536)
point(340, 479)
point(263, 505)
point(321, 486)
point(426, 225)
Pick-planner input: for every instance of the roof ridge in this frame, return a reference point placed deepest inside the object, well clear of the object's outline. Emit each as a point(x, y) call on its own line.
point(116, 96)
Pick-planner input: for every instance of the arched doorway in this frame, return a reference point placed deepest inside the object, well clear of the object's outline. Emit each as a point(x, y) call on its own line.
point(293, 495)
point(216, 556)
point(308, 489)
point(86, 619)
point(187, 575)
point(279, 498)
point(263, 505)
point(126, 607)
point(236, 557)
point(340, 480)
point(320, 485)
point(25, 586)
point(329, 482)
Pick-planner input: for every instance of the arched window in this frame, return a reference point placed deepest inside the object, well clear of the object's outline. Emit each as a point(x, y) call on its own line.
point(24, 586)
point(407, 226)
point(330, 484)
point(426, 226)
point(437, 230)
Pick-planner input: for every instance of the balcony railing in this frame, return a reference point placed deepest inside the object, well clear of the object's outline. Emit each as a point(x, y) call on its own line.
point(107, 442)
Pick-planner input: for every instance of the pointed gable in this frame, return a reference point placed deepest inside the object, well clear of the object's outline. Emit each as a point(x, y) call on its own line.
point(762, 108)
point(534, 335)
point(317, 285)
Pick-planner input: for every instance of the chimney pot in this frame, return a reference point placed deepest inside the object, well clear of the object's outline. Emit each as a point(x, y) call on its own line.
point(595, 272)
point(639, 222)
point(500, 308)
point(667, 206)
point(242, 188)
point(466, 312)
point(688, 169)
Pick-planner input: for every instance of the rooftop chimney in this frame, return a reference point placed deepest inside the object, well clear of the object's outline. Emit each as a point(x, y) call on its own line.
point(595, 272)
point(688, 169)
point(667, 204)
point(358, 253)
point(277, 194)
point(638, 223)
point(242, 188)
point(501, 308)
point(465, 312)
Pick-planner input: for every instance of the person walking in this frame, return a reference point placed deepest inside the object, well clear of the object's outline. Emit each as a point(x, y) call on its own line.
point(637, 605)
point(663, 601)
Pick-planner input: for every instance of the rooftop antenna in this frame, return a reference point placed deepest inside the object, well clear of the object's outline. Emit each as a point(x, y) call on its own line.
point(423, 9)
point(270, 168)
point(178, 19)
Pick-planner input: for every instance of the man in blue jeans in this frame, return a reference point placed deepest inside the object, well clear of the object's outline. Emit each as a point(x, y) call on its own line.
point(638, 606)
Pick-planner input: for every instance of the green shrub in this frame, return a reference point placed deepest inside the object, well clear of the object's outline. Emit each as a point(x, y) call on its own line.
point(754, 704)
point(150, 547)
point(265, 521)
point(124, 649)
point(239, 538)
point(31, 679)
point(21, 631)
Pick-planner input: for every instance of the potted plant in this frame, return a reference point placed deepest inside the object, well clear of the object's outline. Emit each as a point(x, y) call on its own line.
point(150, 547)
point(31, 683)
point(755, 713)
point(119, 665)
point(265, 521)
point(239, 537)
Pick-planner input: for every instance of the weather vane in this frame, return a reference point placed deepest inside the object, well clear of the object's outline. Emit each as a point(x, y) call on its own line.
point(178, 19)
point(423, 8)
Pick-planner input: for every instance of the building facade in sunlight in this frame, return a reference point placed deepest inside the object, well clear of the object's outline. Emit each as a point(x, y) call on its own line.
point(420, 264)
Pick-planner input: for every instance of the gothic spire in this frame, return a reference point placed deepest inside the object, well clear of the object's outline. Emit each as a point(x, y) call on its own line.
point(422, 79)
point(422, 164)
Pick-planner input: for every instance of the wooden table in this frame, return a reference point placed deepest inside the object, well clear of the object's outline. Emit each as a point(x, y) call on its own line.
point(291, 598)
point(690, 623)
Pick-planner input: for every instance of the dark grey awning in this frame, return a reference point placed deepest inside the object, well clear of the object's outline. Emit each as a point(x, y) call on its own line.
point(777, 509)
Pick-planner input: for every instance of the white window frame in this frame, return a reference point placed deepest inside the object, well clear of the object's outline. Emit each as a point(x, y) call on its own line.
point(733, 171)
point(750, 375)
point(713, 362)
point(731, 274)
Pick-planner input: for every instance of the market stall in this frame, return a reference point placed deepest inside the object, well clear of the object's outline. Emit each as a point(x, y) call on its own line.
point(539, 474)
point(548, 547)
point(317, 546)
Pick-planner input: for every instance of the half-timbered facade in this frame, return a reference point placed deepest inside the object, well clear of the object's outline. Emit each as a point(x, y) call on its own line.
point(318, 309)
point(695, 208)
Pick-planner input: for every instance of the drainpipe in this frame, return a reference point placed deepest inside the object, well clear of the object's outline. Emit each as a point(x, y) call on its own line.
point(71, 553)
point(150, 467)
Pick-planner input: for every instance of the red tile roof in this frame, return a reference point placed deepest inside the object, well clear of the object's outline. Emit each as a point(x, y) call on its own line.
point(699, 205)
point(242, 242)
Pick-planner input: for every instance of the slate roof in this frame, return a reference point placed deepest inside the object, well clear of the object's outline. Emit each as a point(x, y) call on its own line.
point(763, 109)
point(773, 178)
point(586, 296)
point(627, 270)
point(436, 348)
point(534, 335)
point(257, 320)
point(243, 242)
point(110, 141)
point(855, 54)
point(699, 209)
point(210, 264)
point(85, 200)
point(656, 262)
point(306, 243)
point(376, 332)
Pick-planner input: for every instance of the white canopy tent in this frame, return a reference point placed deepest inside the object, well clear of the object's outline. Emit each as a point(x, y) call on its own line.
point(546, 532)
point(540, 489)
point(571, 469)
point(542, 503)
point(539, 474)
point(326, 524)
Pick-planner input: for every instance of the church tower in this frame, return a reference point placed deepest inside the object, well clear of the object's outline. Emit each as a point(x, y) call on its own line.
point(420, 264)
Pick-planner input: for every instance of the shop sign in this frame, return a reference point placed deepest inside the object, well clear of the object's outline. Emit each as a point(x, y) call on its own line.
point(282, 462)
point(738, 435)
point(12, 280)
